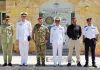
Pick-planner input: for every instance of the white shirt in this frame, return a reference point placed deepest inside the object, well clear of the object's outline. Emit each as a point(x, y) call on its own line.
point(57, 34)
point(90, 31)
point(23, 30)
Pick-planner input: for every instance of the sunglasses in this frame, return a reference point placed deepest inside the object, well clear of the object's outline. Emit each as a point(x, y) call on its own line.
point(57, 20)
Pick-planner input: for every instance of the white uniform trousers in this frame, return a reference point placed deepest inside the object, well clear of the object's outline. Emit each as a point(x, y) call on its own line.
point(72, 44)
point(57, 48)
point(23, 48)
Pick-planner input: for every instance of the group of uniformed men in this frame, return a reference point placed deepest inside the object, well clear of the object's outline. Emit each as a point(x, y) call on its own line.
point(39, 34)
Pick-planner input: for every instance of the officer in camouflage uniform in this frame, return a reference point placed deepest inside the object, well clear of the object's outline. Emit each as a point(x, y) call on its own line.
point(40, 36)
point(7, 41)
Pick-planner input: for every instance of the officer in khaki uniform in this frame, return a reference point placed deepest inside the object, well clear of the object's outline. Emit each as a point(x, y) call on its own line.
point(7, 41)
point(40, 36)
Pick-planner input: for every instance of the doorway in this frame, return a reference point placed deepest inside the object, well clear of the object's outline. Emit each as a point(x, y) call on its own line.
point(50, 10)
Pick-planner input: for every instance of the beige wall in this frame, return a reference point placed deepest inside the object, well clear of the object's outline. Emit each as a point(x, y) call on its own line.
point(2, 5)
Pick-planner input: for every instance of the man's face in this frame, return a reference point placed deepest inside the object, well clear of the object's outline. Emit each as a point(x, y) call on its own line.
point(74, 21)
point(40, 21)
point(23, 17)
point(57, 22)
point(89, 22)
point(7, 19)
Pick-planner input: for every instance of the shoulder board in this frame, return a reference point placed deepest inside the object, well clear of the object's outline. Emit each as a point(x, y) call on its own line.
point(37, 25)
point(94, 25)
point(18, 20)
point(44, 26)
point(85, 26)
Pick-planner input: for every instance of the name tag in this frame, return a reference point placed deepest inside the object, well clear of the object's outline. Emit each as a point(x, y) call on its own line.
point(93, 28)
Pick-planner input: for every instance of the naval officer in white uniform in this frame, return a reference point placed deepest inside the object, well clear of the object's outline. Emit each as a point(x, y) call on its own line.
point(57, 40)
point(90, 37)
point(23, 36)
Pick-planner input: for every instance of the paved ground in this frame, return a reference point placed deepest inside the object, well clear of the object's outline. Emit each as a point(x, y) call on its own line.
point(46, 68)
point(49, 64)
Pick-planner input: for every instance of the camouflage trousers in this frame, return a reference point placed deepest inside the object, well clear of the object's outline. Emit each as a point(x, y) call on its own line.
point(7, 52)
point(40, 50)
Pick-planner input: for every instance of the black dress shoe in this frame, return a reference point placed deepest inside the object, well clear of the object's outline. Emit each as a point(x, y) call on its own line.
point(25, 65)
point(5, 64)
point(43, 64)
point(9, 64)
point(69, 64)
point(38, 64)
point(60, 65)
point(94, 65)
point(20, 65)
point(79, 64)
point(86, 65)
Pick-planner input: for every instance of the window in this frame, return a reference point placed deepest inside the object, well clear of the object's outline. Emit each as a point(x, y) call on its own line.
point(2, 15)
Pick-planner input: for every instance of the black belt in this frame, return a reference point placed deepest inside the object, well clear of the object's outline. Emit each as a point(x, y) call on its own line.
point(74, 38)
point(91, 38)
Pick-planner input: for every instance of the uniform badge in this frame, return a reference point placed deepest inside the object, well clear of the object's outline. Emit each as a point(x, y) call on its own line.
point(60, 28)
point(86, 29)
point(20, 24)
point(93, 28)
point(54, 29)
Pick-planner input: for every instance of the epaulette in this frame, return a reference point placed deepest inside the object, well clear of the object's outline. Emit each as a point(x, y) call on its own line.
point(37, 25)
point(94, 25)
point(85, 26)
point(18, 20)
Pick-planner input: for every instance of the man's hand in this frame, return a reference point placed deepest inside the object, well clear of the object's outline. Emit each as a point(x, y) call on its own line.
point(46, 41)
point(29, 38)
point(83, 39)
point(17, 42)
point(50, 44)
point(63, 43)
point(33, 36)
point(96, 39)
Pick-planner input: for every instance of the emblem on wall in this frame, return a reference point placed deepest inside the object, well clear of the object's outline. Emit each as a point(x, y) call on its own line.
point(49, 20)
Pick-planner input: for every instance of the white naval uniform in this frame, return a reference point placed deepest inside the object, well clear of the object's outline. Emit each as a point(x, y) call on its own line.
point(23, 30)
point(57, 39)
point(90, 31)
